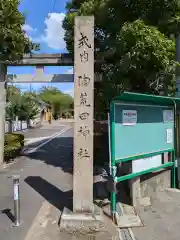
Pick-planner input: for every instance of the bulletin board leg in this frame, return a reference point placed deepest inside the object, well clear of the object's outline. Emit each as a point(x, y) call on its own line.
point(113, 204)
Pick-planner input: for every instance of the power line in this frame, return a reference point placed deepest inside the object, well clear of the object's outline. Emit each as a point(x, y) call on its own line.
point(53, 6)
point(55, 1)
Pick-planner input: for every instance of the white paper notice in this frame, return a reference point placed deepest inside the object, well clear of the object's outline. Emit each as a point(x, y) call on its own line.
point(129, 117)
point(167, 115)
point(169, 135)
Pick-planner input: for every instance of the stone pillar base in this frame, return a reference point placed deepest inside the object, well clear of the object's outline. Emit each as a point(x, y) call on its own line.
point(82, 222)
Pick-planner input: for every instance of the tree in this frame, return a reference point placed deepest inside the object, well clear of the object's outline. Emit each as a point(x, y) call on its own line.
point(28, 108)
point(59, 101)
point(135, 39)
point(13, 40)
point(21, 105)
point(13, 98)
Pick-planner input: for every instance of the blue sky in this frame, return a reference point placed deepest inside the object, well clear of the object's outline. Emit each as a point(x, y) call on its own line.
point(44, 25)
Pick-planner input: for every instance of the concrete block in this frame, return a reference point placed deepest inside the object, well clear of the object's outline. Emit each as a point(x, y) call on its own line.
point(172, 190)
point(126, 209)
point(145, 202)
point(81, 221)
point(156, 183)
point(135, 190)
point(126, 217)
point(127, 221)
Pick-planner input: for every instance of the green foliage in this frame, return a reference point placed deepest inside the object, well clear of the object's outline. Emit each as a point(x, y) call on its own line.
point(28, 108)
point(13, 41)
point(146, 58)
point(13, 144)
point(20, 104)
point(25, 105)
point(59, 101)
point(135, 39)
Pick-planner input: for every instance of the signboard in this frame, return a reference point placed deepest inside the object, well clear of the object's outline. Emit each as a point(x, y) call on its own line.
point(129, 117)
point(146, 163)
point(169, 135)
point(168, 116)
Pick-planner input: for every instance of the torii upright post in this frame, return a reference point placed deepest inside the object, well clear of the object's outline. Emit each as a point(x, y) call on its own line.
point(2, 110)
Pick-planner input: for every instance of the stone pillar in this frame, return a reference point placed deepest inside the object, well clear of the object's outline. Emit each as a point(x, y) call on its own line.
point(2, 110)
point(85, 215)
point(83, 114)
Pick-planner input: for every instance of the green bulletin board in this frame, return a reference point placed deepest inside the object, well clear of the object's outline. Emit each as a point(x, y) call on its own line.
point(142, 129)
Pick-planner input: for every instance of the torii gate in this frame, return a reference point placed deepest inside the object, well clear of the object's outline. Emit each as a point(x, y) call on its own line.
point(83, 207)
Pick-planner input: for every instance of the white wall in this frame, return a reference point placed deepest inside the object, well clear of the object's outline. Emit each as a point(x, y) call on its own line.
point(16, 126)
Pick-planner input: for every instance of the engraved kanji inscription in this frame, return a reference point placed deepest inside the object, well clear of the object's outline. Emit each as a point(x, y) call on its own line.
point(84, 100)
point(83, 41)
point(84, 57)
point(83, 80)
point(84, 116)
point(83, 153)
point(84, 131)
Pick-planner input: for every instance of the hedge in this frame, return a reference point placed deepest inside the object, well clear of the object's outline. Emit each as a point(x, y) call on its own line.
point(13, 144)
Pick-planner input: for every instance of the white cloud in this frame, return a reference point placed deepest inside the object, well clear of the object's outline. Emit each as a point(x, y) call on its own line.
point(54, 32)
point(27, 28)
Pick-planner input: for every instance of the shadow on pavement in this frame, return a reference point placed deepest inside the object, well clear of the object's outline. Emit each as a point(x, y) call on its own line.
point(9, 214)
point(58, 152)
point(54, 195)
point(49, 192)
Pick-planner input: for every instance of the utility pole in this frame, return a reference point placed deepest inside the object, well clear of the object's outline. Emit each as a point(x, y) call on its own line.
point(178, 115)
point(30, 89)
point(178, 68)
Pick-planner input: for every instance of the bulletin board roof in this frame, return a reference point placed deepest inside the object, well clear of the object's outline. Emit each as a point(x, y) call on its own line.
point(146, 98)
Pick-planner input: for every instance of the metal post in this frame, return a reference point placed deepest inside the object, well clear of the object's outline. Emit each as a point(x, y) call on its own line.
point(113, 193)
point(17, 221)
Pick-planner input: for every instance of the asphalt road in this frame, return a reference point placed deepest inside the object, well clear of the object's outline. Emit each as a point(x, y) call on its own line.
point(45, 175)
point(44, 131)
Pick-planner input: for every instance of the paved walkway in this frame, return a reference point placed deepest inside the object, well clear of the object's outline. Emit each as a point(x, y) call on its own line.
point(45, 175)
point(45, 189)
point(162, 219)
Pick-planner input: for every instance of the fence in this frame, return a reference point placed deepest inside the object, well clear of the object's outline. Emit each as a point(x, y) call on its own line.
point(15, 126)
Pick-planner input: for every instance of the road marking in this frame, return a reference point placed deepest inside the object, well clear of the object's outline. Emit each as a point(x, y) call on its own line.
point(53, 136)
point(32, 140)
point(40, 222)
point(28, 141)
point(48, 140)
